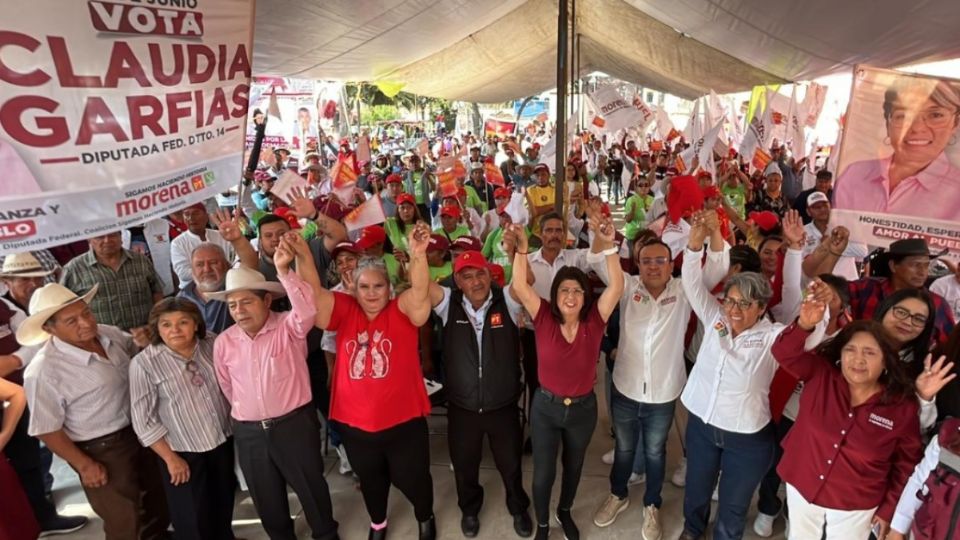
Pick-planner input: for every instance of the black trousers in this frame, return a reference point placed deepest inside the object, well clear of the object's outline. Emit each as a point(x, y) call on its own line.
point(23, 452)
point(768, 502)
point(551, 424)
point(289, 452)
point(399, 455)
point(202, 508)
point(465, 432)
point(528, 342)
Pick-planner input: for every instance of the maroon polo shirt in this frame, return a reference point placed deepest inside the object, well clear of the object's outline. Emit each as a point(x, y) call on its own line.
point(843, 457)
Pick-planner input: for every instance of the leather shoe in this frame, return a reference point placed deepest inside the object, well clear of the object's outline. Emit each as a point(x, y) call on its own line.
point(428, 529)
point(523, 525)
point(470, 525)
point(377, 534)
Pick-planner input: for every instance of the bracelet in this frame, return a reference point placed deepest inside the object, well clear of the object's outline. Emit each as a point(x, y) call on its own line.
point(315, 215)
point(836, 254)
point(522, 252)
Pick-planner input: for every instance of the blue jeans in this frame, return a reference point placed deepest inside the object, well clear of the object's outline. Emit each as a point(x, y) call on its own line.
point(651, 421)
point(639, 463)
point(744, 458)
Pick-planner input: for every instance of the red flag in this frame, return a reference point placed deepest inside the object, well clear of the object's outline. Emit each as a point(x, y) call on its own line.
point(369, 213)
point(679, 164)
point(672, 135)
point(599, 122)
point(493, 174)
point(656, 146)
point(343, 175)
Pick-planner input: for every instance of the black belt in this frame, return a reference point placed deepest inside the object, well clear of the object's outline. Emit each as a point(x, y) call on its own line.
point(270, 422)
point(565, 400)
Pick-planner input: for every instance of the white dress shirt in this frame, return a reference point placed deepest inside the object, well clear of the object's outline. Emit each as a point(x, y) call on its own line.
point(478, 316)
point(730, 383)
point(182, 248)
point(24, 353)
point(949, 288)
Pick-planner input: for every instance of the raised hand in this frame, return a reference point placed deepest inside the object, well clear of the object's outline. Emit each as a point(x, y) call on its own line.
point(934, 377)
point(229, 227)
point(814, 305)
point(419, 239)
point(297, 245)
point(300, 204)
point(793, 231)
point(711, 221)
point(603, 228)
point(284, 256)
point(839, 238)
point(519, 237)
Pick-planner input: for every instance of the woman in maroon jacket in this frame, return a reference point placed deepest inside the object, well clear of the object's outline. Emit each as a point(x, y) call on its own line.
point(857, 435)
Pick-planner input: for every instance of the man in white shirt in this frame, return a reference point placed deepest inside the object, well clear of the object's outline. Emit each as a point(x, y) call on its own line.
point(196, 218)
point(648, 376)
point(818, 208)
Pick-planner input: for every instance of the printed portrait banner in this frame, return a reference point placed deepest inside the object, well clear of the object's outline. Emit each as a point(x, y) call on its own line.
point(897, 173)
point(295, 112)
point(498, 128)
point(115, 113)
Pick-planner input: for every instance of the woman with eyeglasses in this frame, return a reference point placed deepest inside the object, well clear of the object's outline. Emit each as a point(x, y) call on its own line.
point(568, 328)
point(179, 412)
point(727, 392)
point(907, 319)
point(921, 117)
point(857, 435)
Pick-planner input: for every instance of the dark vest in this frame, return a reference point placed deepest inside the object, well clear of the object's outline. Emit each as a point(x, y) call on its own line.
point(487, 383)
point(8, 341)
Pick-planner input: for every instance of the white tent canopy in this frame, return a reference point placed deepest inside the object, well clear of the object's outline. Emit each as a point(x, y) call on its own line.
point(496, 50)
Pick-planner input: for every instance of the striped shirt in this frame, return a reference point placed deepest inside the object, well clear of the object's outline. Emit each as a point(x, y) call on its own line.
point(165, 401)
point(84, 394)
point(125, 296)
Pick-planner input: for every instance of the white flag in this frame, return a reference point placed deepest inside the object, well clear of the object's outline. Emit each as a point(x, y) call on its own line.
point(694, 128)
point(664, 125)
point(645, 111)
point(813, 102)
point(715, 112)
point(758, 134)
point(617, 114)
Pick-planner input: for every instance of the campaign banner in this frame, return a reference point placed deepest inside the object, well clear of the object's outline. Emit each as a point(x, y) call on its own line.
point(898, 174)
point(616, 112)
point(115, 113)
point(296, 110)
point(498, 128)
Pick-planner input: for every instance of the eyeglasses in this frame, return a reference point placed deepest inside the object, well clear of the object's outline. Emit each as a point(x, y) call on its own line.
point(903, 314)
point(648, 261)
point(194, 370)
point(933, 118)
point(731, 303)
point(571, 292)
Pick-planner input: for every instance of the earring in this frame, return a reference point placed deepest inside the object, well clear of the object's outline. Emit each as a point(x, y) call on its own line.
point(886, 140)
point(953, 140)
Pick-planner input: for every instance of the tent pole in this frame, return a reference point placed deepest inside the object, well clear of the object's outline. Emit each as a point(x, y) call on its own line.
point(561, 134)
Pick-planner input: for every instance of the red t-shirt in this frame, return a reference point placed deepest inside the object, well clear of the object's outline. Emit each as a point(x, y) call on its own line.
point(567, 369)
point(377, 381)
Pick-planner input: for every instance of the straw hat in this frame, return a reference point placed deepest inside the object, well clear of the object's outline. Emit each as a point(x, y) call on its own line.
point(23, 265)
point(246, 279)
point(44, 303)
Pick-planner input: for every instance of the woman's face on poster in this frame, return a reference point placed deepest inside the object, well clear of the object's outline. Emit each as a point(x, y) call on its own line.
point(919, 128)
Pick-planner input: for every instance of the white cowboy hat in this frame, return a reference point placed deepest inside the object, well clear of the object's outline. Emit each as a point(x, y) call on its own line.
point(245, 279)
point(23, 265)
point(44, 303)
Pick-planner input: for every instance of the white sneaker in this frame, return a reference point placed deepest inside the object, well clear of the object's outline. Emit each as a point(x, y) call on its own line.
point(651, 524)
point(608, 457)
point(786, 527)
point(679, 477)
point(344, 462)
point(636, 479)
point(763, 525)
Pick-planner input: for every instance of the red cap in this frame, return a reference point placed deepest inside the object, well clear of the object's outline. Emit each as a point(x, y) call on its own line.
point(467, 243)
point(672, 171)
point(452, 211)
point(344, 246)
point(541, 167)
point(406, 198)
point(438, 242)
point(497, 274)
point(766, 220)
point(502, 193)
point(710, 192)
point(288, 216)
point(469, 259)
point(197, 206)
point(394, 178)
point(371, 236)
point(644, 153)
